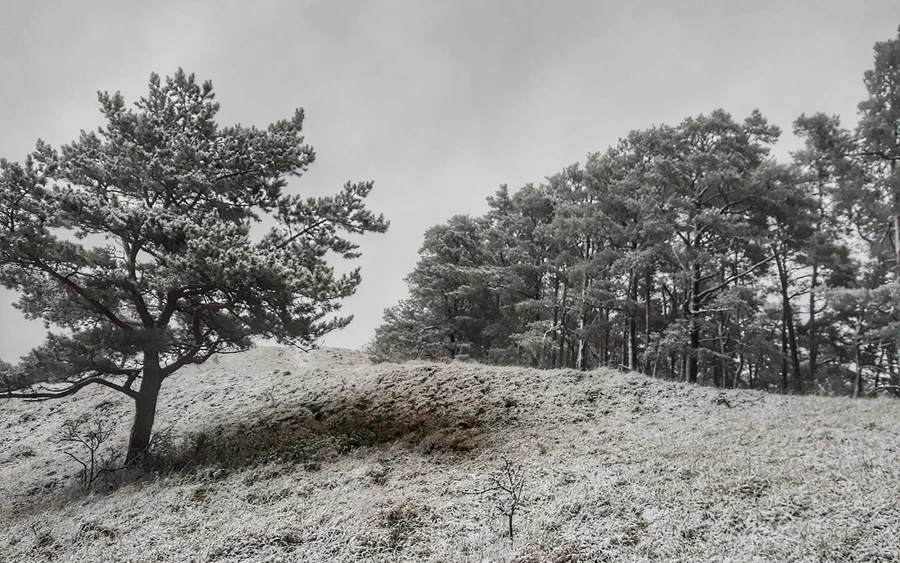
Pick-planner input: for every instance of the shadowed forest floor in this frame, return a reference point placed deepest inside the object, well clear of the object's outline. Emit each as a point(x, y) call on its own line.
point(275, 455)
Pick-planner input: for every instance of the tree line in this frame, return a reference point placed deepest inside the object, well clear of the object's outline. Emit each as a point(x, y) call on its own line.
point(688, 252)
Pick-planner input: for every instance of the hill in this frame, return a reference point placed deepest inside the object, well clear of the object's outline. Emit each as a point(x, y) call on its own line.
point(275, 455)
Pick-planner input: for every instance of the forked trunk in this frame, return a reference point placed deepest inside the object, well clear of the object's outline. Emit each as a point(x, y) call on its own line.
point(145, 408)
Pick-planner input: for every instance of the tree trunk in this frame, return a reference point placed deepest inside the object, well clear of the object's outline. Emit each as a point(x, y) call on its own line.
point(723, 351)
point(788, 312)
point(648, 291)
point(857, 384)
point(892, 358)
point(452, 347)
point(581, 359)
point(880, 363)
point(561, 337)
point(739, 346)
point(673, 318)
point(896, 218)
point(693, 368)
point(145, 408)
point(632, 321)
point(784, 355)
point(580, 362)
point(811, 332)
point(896, 240)
point(604, 338)
point(555, 351)
point(720, 374)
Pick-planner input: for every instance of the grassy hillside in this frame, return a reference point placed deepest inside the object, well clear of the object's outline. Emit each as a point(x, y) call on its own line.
point(274, 455)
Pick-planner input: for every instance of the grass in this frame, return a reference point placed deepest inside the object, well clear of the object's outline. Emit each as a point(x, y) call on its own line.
point(341, 460)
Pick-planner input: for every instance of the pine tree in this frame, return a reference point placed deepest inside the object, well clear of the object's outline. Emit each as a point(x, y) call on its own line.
point(163, 268)
point(879, 135)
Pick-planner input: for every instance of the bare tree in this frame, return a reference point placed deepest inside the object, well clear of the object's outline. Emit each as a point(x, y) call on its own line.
point(86, 436)
point(505, 488)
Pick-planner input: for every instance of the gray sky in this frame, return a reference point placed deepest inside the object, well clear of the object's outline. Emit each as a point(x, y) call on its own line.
point(438, 102)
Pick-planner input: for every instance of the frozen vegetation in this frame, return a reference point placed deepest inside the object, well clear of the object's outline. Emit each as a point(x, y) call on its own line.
point(276, 455)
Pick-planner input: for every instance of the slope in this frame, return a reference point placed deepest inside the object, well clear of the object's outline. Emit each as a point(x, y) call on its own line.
point(275, 455)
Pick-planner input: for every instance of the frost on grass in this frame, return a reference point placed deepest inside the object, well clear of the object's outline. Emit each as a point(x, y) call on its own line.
point(353, 461)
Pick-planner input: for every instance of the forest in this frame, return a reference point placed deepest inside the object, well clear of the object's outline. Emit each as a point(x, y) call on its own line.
point(686, 252)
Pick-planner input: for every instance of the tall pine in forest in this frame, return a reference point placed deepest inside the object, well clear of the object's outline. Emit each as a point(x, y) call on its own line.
point(878, 137)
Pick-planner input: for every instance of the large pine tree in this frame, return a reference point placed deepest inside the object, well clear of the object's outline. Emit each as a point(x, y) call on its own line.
point(136, 241)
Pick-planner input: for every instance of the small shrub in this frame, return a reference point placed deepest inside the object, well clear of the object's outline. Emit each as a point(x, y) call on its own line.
point(200, 495)
point(260, 474)
point(21, 452)
point(94, 531)
point(270, 395)
point(379, 475)
point(82, 440)
point(751, 487)
point(288, 540)
point(43, 542)
point(400, 522)
point(505, 489)
point(266, 496)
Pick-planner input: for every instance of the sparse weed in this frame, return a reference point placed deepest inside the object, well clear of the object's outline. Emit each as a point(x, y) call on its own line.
point(94, 531)
point(43, 542)
point(21, 452)
point(379, 474)
point(271, 397)
point(400, 522)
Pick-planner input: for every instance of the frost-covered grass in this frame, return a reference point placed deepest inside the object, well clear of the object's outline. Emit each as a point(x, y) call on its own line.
point(279, 456)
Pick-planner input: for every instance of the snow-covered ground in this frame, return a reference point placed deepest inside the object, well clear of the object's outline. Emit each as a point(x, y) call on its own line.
point(277, 455)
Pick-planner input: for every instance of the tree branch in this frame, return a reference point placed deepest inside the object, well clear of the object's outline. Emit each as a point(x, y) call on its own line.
point(880, 154)
point(299, 234)
point(172, 298)
point(71, 390)
point(894, 388)
point(704, 294)
point(197, 331)
point(96, 305)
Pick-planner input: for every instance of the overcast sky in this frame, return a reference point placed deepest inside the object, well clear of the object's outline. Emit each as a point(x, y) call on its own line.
point(438, 102)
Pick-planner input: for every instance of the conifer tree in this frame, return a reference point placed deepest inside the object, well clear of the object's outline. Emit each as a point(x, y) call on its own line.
point(137, 241)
